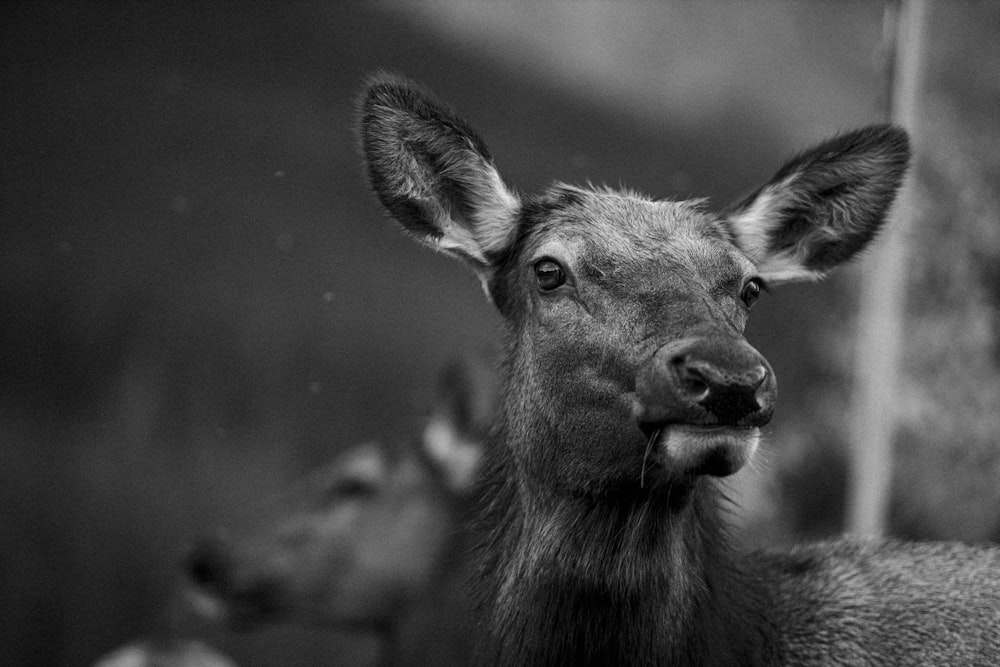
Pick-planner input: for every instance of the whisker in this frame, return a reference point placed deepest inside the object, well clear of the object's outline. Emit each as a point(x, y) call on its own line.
point(649, 448)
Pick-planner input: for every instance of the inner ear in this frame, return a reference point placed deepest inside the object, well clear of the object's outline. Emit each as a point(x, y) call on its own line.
point(433, 173)
point(823, 206)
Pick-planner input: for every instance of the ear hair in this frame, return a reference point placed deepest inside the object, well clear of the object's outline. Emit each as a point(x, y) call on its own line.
point(432, 172)
point(823, 206)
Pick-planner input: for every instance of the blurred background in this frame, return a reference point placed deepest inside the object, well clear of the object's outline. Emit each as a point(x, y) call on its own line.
point(200, 301)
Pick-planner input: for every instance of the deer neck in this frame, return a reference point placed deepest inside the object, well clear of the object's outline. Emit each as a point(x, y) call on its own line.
point(636, 579)
point(436, 628)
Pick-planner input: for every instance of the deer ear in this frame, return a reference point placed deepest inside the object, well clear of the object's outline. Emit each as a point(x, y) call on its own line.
point(454, 436)
point(432, 173)
point(823, 206)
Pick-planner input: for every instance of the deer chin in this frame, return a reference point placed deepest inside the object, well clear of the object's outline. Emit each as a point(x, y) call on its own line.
point(206, 606)
point(718, 451)
point(218, 611)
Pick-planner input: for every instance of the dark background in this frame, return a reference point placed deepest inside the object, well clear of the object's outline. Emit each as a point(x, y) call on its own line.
point(200, 301)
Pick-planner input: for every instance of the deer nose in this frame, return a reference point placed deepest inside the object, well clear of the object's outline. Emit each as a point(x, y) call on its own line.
point(706, 382)
point(729, 396)
point(228, 593)
point(207, 566)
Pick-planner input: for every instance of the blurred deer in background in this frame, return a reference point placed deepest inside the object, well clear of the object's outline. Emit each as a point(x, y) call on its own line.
point(629, 390)
point(376, 541)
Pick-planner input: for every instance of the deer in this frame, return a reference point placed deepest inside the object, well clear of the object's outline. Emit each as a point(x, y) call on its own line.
point(629, 393)
point(374, 542)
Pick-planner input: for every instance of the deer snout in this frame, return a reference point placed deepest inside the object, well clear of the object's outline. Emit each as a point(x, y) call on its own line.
point(222, 592)
point(702, 400)
point(207, 565)
point(706, 382)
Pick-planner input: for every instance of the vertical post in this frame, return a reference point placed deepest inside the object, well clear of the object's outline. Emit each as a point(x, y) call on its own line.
point(883, 295)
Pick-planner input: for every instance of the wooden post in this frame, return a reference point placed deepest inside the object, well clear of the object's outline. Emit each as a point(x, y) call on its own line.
point(883, 296)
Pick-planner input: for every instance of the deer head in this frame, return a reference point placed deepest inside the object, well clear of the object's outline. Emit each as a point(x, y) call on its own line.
point(627, 368)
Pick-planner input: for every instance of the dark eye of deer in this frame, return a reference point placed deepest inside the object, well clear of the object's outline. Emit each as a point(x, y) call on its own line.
point(549, 275)
point(751, 292)
point(349, 488)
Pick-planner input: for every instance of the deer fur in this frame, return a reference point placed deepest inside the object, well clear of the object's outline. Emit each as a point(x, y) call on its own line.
point(375, 542)
point(629, 391)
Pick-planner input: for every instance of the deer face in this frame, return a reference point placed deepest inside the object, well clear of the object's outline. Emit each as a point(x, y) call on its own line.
point(352, 545)
point(628, 316)
point(361, 541)
point(626, 357)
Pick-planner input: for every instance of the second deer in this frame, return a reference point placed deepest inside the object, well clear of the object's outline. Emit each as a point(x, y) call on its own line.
point(374, 542)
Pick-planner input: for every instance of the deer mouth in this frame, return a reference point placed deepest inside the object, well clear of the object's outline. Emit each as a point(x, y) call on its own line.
point(207, 606)
point(237, 607)
point(692, 450)
point(240, 613)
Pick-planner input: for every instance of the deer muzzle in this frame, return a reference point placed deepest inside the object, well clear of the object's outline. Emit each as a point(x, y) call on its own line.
point(705, 399)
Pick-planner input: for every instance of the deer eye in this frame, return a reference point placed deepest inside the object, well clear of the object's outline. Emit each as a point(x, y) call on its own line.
point(549, 274)
point(751, 292)
point(349, 488)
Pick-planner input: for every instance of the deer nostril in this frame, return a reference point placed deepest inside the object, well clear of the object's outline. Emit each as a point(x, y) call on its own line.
point(730, 404)
point(757, 376)
point(692, 380)
point(695, 386)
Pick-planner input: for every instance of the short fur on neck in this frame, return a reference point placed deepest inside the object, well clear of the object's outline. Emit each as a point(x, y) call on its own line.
point(646, 577)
